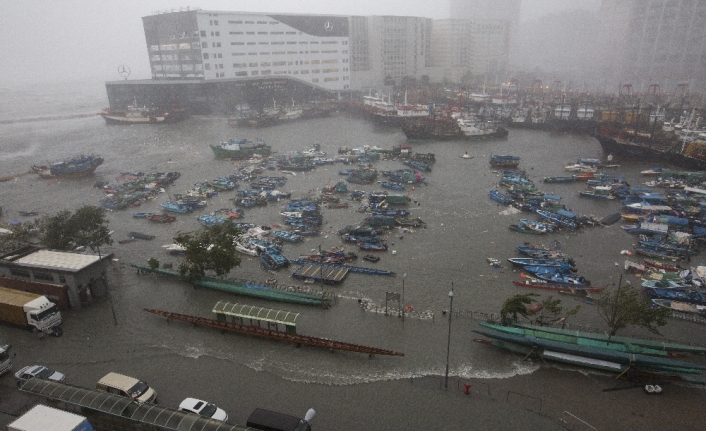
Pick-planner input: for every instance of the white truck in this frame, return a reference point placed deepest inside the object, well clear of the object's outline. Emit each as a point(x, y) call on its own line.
point(5, 362)
point(29, 310)
point(43, 418)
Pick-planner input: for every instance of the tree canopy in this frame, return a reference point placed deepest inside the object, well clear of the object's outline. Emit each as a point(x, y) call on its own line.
point(65, 230)
point(209, 249)
point(516, 305)
point(627, 306)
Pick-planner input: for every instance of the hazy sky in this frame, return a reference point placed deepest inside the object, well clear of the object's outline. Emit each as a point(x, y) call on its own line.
point(60, 40)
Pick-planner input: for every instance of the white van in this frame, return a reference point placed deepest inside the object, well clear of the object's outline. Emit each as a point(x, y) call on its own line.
point(126, 386)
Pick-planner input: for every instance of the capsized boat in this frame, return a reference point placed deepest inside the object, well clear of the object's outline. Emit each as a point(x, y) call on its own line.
point(682, 307)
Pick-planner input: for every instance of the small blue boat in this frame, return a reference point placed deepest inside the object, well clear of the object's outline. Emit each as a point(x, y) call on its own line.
point(176, 207)
point(287, 236)
point(500, 197)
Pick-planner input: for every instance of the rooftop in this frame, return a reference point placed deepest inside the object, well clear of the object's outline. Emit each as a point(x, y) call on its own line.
point(57, 260)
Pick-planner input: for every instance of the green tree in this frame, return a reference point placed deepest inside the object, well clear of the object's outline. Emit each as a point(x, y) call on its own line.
point(627, 306)
point(209, 249)
point(516, 305)
point(552, 310)
point(65, 230)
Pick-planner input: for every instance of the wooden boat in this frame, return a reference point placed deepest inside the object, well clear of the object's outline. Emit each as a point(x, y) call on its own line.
point(75, 167)
point(564, 278)
point(524, 229)
point(538, 226)
point(134, 114)
point(651, 252)
point(540, 252)
point(139, 235)
point(504, 161)
point(682, 307)
point(689, 296)
point(369, 246)
point(287, 236)
point(176, 207)
point(662, 266)
point(161, 218)
point(558, 219)
point(524, 261)
point(500, 197)
point(560, 179)
point(240, 148)
point(371, 258)
point(535, 283)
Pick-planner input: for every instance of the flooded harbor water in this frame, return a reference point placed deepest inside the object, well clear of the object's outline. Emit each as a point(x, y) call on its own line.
point(464, 228)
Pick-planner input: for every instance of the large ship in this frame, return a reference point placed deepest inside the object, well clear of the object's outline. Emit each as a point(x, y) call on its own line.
point(658, 147)
point(448, 128)
point(240, 148)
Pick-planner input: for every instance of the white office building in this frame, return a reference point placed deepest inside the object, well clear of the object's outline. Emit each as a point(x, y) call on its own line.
point(213, 45)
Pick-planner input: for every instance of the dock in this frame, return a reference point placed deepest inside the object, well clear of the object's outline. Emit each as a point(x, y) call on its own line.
point(327, 274)
point(263, 332)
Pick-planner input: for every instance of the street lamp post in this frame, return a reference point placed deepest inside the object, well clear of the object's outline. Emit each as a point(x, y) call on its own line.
point(448, 344)
point(402, 304)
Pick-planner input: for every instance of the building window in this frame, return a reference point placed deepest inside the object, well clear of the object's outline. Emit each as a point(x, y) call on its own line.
point(253, 65)
point(205, 56)
point(203, 33)
point(218, 33)
point(254, 73)
point(215, 22)
point(207, 66)
point(204, 45)
point(266, 72)
point(43, 276)
point(241, 73)
point(19, 272)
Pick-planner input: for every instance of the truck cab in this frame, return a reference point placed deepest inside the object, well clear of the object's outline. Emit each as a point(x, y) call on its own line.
point(5, 362)
point(42, 314)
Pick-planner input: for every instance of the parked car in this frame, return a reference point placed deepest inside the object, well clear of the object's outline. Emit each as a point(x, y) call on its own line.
point(39, 372)
point(127, 386)
point(202, 408)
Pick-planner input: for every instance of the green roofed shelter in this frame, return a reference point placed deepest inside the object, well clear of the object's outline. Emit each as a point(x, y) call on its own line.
point(110, 411)
point(244, 311)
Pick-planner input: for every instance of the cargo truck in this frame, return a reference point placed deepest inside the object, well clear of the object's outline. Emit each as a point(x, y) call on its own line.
point(44, 418)
point(29, 310)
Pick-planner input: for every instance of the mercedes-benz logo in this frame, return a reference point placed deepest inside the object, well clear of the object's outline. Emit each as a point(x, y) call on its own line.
point(124, 71)
point(328, 26)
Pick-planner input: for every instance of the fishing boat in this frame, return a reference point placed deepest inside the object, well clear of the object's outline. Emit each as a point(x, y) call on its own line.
point(240, 148)
point(504, 161)
point(562, 268)
point(139, 235)
point(564, 278)
point(682, 307)
point(560, 179)
point(500, 197)
point(369, 246)
point(662, 266)
point(75, 167)
point(526, 261)
point(537, 226)
point(176, 207)
point(287, 236)
point(690, 296)
point(134, 114)
point(371, 258)
point(524, 229)
point(558, 219)
point(598, 192)
point(662, 254)
point(540, 252)
point(273, 259)
point(536, 283)
point(666, 284)
point(161, 218)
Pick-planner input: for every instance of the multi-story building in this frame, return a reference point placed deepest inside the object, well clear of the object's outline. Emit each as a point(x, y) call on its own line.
point(390, 47)
point(210, 45)
point(654, 41)
point(476, 47)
